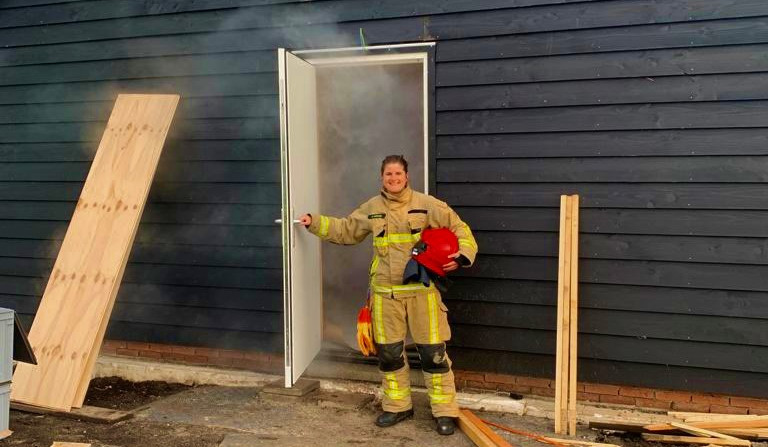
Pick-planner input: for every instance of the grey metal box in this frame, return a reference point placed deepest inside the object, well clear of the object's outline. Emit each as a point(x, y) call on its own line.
point(6, 345)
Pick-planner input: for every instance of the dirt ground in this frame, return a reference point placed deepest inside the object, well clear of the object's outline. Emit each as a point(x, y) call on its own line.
point(212, 416)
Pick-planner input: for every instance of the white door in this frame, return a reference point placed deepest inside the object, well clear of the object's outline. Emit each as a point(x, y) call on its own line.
point(302, 275)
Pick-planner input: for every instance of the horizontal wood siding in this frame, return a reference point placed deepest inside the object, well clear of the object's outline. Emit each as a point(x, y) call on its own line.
point(654, 112)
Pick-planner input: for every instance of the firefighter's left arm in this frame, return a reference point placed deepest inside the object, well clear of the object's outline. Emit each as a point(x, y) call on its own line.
point(447, 218)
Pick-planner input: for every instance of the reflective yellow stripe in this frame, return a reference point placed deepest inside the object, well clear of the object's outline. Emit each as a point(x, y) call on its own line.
point(324, 223)
point(434, 336)
point(436, 395)
point(388, 290)
point(396, 238)
point(374, 264)
point(467, 243)
point(392, 389)
point(378, 320)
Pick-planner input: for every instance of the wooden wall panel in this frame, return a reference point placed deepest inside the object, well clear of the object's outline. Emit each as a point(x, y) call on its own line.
point(653, 112)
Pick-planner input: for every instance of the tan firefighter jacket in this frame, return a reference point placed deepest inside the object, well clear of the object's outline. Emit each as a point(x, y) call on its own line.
point(396, 221)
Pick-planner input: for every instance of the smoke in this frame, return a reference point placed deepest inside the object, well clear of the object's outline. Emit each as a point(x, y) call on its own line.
point(366, 112)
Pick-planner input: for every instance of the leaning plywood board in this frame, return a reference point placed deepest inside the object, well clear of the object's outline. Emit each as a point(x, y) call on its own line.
point(69, 325)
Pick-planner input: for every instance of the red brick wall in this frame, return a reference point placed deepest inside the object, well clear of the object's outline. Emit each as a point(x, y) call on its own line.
point(250, 360)
point(614, 394)
point(466, 380)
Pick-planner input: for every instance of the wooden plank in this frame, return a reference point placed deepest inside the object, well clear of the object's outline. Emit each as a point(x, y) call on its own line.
point(608, 195)
point(67, 341)
point(659, 222)
point(69, 444)
point(579, 442)
point(734, 250)
point(757, 434)
point(686, 169)
point(680, 353)
point(704, 432)
point(522, 362)
point(629, 64)
point(573, 304)
point(689, 416)
point(590, 15)
point(635, 37)
point(473, 432)
point(757, 422)
point(497, 440)
point(603, 144)
point(562, 293)
point(614, 117)
point(621, 425)
point(692, 440)
point(592, 92)
point(86, 413)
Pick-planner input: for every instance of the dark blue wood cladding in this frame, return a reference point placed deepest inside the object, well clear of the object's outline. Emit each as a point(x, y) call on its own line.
point(654, 112)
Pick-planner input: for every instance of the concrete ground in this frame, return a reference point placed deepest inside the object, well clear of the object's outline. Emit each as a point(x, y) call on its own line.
point(340, 413)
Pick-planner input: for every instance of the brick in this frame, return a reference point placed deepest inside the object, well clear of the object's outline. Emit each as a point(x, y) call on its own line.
point(514, 388)
point(588, 397)
point(136, 345)
point(580, 387)
point(114, 343)
point(150, 354)
point(597, 388)
point(690, 406)
point(548, 392)
point(468, 375)
point(629, 391)
point(232, 354)
point(160, 347)
point(208, 352)
point(727, 409)
point(476, 384)
point(749, 402)
point(127, 352)
point(186, 350)
point(108, 350)
point(622, 400)
point(710, 399)
point(653, 403)
point(758, 411)
point(535, 382)
point(499, 378)
point(218, 361)
point(673, 396)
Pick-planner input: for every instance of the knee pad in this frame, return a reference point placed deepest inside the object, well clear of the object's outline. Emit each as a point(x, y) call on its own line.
point(433, 358)
point(391, 356)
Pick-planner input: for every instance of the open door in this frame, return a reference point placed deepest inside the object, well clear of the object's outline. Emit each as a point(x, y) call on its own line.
point(302, 275)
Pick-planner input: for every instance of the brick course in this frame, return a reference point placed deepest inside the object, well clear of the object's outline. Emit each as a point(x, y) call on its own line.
point(593, 392)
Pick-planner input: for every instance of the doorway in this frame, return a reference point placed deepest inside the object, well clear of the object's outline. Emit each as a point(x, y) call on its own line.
point(367, 106)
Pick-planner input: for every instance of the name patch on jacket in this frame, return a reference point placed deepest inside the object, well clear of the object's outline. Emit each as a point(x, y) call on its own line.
point(377, 216)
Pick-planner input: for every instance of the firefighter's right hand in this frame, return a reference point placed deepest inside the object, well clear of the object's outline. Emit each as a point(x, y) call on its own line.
point(306, 220)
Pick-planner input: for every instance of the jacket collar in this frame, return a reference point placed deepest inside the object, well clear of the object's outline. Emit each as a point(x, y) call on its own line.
point(403, 196)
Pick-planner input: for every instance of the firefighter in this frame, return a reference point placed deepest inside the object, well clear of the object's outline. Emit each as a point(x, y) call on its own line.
point(396, 218)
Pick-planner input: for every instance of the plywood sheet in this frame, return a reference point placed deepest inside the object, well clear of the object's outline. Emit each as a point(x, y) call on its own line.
point(72, 316)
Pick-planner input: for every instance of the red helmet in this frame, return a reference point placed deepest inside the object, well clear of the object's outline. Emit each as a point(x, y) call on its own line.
point(434, 249)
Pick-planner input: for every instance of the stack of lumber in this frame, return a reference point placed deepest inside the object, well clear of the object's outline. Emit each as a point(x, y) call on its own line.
point(481, 433)
point(697, 428)
point(567, 316)
point(70, 323)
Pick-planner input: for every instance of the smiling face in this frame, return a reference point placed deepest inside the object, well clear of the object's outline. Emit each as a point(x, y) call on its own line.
point(394, 178)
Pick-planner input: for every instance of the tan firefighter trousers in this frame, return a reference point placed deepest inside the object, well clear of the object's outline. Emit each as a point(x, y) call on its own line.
point(426, 316)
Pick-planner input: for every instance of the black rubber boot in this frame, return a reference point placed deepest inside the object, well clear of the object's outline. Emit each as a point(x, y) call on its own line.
point(446, 425)
point(388, 418)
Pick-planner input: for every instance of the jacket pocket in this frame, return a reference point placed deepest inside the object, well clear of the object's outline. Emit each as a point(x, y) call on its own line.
point(417, 222)
point(380, 242)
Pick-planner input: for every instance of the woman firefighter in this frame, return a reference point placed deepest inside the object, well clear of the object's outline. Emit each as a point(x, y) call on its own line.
point(397, 217)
